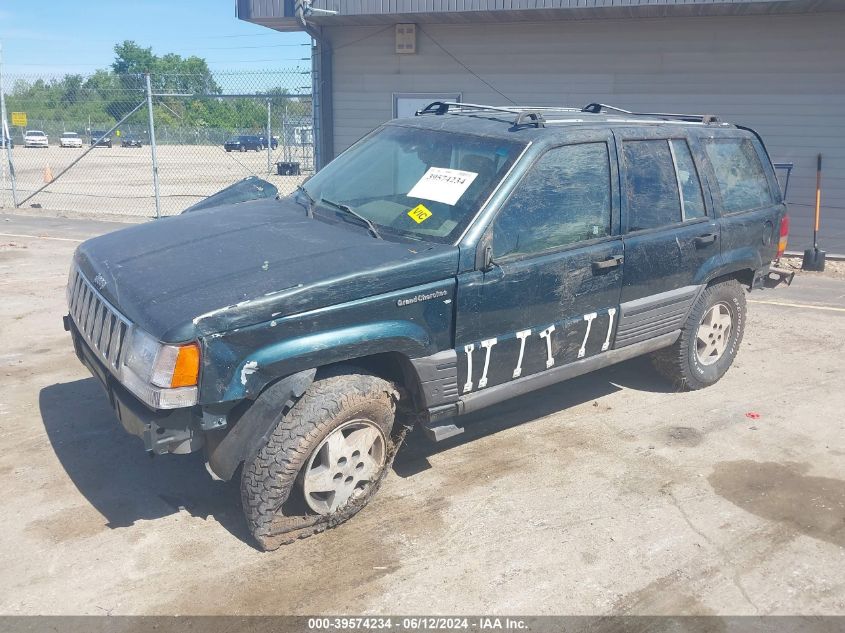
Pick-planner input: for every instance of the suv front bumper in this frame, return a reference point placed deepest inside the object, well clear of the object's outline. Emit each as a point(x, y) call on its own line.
point(163, 431)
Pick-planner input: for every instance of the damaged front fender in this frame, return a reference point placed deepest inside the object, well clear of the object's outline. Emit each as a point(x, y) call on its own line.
point(247, 377)
point(254, 427)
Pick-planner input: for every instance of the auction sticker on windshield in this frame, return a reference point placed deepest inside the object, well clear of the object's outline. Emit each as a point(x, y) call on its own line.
point(419, 214)
point(442, 185)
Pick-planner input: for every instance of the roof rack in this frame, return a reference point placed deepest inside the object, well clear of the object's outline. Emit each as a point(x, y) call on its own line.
point(598, 108)
point(522, 116)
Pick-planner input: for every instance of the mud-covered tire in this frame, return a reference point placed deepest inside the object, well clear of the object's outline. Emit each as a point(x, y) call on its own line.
point(271, 484)
point(681, 363)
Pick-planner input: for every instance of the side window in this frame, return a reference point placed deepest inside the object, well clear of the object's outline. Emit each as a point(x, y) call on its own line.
point(651, 186)
point(688, 178)
point(563, 199)
point(739, 174)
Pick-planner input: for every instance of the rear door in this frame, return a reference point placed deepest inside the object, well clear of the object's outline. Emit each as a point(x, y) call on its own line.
point(552, 294)
point(670, 234)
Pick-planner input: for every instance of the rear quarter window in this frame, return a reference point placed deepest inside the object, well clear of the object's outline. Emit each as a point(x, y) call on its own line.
point(740, 175)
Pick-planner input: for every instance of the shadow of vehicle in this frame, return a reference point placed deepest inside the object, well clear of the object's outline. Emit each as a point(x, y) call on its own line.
point(110, 468)
point(636, 374)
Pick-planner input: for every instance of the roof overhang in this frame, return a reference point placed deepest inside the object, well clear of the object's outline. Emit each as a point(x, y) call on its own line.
point(281, 15)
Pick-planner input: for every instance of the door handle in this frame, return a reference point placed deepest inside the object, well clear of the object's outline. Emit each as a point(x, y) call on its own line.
point(606, 264)
point(707, 238)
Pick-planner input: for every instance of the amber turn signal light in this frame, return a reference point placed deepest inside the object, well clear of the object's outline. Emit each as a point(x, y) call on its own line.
point(187, 368)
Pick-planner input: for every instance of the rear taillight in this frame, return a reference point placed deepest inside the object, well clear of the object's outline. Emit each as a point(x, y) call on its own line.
point(784, 235)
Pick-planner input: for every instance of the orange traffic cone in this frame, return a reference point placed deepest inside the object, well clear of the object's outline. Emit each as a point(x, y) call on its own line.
point(48, 174)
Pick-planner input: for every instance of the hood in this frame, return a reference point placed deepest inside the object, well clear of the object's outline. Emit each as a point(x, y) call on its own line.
point(237, 265)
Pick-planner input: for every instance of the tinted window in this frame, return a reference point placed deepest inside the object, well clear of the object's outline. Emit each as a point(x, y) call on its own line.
point(688, 178)
point(564, 198)
point(651, 186)
point(739, 174)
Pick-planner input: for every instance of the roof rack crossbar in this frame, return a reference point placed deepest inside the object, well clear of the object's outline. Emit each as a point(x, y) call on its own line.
point(598, 108)
point(529, 117)
point(442, 107)
point(522, 116)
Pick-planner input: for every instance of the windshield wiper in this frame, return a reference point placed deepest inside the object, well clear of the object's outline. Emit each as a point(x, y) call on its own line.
point(309, 210)
point(347, 209)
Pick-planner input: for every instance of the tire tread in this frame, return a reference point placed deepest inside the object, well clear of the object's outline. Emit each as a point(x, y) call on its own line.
point(268, 480)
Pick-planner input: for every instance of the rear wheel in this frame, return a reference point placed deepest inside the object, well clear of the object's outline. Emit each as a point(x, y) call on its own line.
point(324, 460)
point(709, 340)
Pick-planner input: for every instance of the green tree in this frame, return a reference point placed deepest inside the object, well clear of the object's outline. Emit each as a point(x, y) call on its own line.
point(197, 103)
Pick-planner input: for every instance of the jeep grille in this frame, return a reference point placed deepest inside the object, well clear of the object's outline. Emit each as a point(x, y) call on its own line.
point(102, 327)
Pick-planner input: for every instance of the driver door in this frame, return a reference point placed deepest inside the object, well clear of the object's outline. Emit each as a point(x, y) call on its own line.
point(552, 294)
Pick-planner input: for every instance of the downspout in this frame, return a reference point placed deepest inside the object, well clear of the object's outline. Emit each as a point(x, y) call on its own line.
point(321, 89)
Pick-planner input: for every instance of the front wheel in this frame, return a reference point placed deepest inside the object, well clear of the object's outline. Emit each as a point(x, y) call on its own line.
point(709, 339)
point(323, 462)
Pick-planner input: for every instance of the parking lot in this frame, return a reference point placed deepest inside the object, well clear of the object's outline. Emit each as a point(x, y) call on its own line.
point(118, 181)
point(608, 494)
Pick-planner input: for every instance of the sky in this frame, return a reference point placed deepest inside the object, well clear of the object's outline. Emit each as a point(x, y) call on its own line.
point(54, 37)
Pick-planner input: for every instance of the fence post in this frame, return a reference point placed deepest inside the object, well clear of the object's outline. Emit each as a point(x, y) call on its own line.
point(6, 136)
point(153, 144)
point(285, 152)
point(269, 139)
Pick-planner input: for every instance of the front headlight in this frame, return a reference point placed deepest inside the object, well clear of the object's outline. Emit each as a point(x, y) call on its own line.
point(163, 376)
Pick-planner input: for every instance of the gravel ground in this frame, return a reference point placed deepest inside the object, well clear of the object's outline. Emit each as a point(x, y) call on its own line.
point(832, 268)
point(118, 181)
point(608, 494)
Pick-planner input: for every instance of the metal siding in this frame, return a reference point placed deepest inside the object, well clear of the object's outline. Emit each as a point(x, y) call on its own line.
point(371, 7)
point(271, 13)
point(781, 75)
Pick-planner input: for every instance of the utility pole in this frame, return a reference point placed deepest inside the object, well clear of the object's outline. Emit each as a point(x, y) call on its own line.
point(153, 144)
point(6, 136)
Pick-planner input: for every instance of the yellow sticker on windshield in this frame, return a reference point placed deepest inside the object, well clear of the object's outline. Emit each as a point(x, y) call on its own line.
point(419, 214)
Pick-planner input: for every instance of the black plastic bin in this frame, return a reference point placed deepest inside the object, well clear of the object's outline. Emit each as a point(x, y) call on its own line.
point(287, 169)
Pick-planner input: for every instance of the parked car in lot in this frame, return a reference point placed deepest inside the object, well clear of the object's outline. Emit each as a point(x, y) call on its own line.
point(100, 139)
point(35, 138)
point(70, 139)
point(443, 264)
point(243, 143)
point(274, 142)
point(4, 140)
point(130, 141)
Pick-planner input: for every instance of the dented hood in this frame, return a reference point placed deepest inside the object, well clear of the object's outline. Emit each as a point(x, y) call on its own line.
point(237, 265)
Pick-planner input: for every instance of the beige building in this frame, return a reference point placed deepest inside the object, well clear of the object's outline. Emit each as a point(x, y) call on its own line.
point(775, 65)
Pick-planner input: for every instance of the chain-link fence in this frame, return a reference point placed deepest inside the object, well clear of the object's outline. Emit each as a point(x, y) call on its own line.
point(105, 145)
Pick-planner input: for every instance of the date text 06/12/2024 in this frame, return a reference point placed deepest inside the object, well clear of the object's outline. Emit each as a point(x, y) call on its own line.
point(417, 624)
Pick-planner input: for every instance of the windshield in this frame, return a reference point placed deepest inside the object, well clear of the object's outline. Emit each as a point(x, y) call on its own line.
point(416, 183)
point(35, 133)
point(69, 135)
